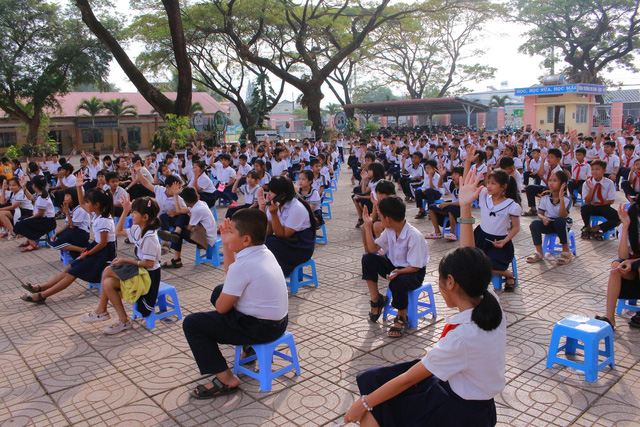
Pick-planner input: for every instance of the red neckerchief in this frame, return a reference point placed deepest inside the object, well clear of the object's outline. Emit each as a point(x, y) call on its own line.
point(576, 175)
point(628, 161)
point(598, 191)
point(565, 155)
point(549, 174)
point(635, 180)
point(606, 158)
point(448, 328)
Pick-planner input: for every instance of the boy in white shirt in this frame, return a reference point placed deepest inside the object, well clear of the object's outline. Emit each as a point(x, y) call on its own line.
point(580, 171)
point(599, 193)
point(404, 267)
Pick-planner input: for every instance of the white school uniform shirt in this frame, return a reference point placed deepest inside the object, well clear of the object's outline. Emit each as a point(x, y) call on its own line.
point(200, 213)
point(148, 247)
point(320, 183)
point(305, 156)
point(294, 215)
point(46, 205)
point(166, 203)
point(408, 249)
point(534, 165)
point(449, 163)
point(434, 180)
point(553, 211)
point(472, 360)
point(612, 160)
point(312, 197)
point(256, 278)
point(634, 180)
point(608, 190)
point(415, 172)
point(580, 171)
point(100, 224)
point(566, 158)
point(244, 170)
point(225, 175)
point(69, 181)
point(495, 219)
point(117, 195)
point(81, 218)
point(204, 182)
point(21, 198)
point(548, 172)
point(277, 167)
point(249, 193)
point(627, 162)
point(477, 170)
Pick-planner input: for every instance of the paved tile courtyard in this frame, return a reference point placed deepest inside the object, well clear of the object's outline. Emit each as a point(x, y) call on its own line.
point(57, 370)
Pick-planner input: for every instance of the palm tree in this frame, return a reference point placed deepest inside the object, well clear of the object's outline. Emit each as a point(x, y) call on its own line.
point(118, 109)
point(498, 101)
point(93, 107)
point(194, 108)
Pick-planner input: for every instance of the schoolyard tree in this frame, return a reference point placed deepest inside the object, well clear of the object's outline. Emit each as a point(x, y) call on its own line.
point(591, 36)
point(91, 107)
point(173, 21)
point(117, 108)
point(302, 44)
point(44, 52)
point(426, 54)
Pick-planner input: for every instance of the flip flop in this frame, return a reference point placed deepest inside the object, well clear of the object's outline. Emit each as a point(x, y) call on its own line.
point(23, 245)
point(28, 286)
point(30, 248)
point(175, 263)
point(433, 236)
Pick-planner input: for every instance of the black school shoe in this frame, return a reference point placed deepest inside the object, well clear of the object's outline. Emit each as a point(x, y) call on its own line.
point(168, 236)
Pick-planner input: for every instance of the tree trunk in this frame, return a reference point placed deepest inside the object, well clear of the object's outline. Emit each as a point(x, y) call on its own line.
point(33, 125)
point(183, 97)
point(311, 99)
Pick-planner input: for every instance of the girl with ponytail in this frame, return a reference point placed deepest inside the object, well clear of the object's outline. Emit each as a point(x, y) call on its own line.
point(136, 280)
point(455, 383)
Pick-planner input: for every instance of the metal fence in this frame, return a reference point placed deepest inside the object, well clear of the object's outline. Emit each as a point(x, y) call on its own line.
point(602, 116)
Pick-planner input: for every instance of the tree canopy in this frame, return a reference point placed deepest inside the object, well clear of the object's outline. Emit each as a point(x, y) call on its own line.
point(590, 36)
point(44, 52)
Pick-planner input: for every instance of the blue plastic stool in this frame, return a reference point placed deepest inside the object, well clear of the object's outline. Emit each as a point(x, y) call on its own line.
point(446, 229)
point(224, 202)
point(265, 354)
point(327, 195)
point(435, 202)
point(299, 278)
point(498, 280)
point(326, 214)
point(333, 184)
point(588, 331)
point(166, 308)
point(46, 240)
point(65, 257)
point(624, 304)
point(549, 245)
point(475, 204)
point(213, 254)
point(214, 211)
point(595, 220)
point(98, 286)
point(578, 197)
point(414, 305)
point(322, 237)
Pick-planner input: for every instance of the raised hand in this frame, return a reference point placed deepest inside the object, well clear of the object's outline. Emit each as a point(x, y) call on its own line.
point(23, 181)
point(225, 230)
point(469, 190)
point(624, 215)
point(366, 217)
point(80, 179)
point(125, 201)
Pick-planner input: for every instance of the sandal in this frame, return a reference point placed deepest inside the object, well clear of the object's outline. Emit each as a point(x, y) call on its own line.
point(597, 235)
point(30, 248)
point(530, 213)
point(510, 284)
point(634, 322)
point(535, 258)
point(433, 236)
point(175, 263)
point(398, 332)
point(604, 319)
point(31, 288)
point(29, 298)
point(219, 389)
point(359, 223)
point(565, 258)
point(450, 237)
point(381, 303)
point(23, 244)
point(420, 215)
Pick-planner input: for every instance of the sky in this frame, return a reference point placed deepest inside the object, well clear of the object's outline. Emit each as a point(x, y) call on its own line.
point(499, 41)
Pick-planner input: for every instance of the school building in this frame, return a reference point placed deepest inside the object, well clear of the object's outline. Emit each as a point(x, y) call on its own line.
point(75, 132)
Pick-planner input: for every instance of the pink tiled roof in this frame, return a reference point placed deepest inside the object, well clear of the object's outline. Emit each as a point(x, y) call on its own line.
point(70, 102)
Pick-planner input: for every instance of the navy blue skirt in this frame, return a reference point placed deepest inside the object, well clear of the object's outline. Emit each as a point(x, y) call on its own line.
point(90, 268)
point(500, 257)
point(431, 402)
point(292, 251)
point(34, 228)
point(71, 237)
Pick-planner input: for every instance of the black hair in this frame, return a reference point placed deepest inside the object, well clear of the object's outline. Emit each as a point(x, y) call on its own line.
point(629, 146)
point(563, 177)
point(600, 163)
point(101, 173)
point(503, 178)
point(67, 167)
point(370, 155)
point(253, 174)
point(147, 206)
point(251, 222)
point(419, 154)
point(555, 152)
point(168, 181)
point(201, 164)
point(189, 195)
point(242, 157)
point(506, 162)
point(582, 150)
point(225, 156)
point(308, 173)
point(134, 159)
point(610, 144)
point(458, 169)
point(393, 207)
point(378, 171)
point(111, 175)
point(17, 162)
point(73, 192)
point(40, 182)
point(283, 185)
point(100, 197)
point(386, 187)
point(470, 268)
point(633, 227)
point(482, 156)
point(33, 167)
point(105, 158)
point(314, 162)
point(536, 150)
point(489, 147)
point(432, 163)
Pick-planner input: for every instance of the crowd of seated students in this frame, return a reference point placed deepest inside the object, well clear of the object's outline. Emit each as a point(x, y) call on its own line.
point(169, 197)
